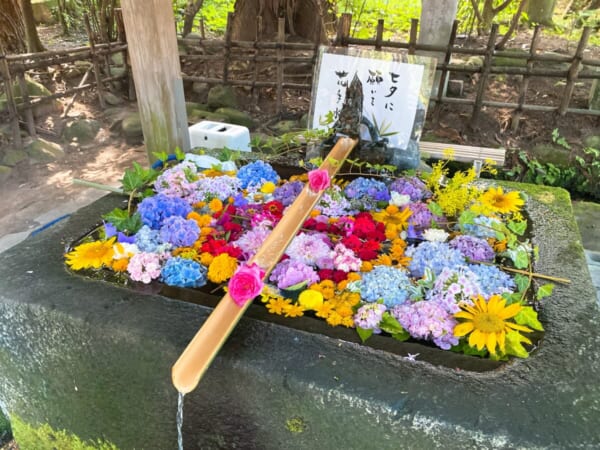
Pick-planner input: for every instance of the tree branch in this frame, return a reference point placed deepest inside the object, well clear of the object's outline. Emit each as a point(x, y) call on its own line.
point(501, 6)
point(513, 25)
point(476, 10)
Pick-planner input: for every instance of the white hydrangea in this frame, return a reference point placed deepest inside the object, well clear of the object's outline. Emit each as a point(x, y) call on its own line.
point(435, 235)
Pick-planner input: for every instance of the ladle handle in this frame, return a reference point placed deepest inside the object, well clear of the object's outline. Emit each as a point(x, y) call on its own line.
point(198, 355)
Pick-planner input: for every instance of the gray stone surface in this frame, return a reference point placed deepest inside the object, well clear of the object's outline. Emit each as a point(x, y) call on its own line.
point(82, 130)
point(95, 359)
point(221, 97)
point(43, 151)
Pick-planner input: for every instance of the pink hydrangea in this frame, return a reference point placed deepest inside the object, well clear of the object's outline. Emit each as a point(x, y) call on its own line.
point(144, 267)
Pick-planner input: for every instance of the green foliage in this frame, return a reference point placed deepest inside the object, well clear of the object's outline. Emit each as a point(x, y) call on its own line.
point(121, 219)
point(363, 333)
point(529, 318)
point(514, 344)
point(390, 325)
point(44, 437)
point(136, 178)
point(544, 291)
point(213, 13)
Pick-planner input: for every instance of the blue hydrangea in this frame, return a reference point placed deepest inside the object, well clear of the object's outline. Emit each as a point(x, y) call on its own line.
point(385, 283)
point(256, 174)
point(183, 272)
point(434, 255)
point(482, 227)
point(154, 210)
point(179, 231)
point(149, 241)
point(366, 193)
point(492, 280)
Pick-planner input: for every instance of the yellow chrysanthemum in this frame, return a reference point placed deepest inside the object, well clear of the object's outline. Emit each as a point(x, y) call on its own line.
point(392, 215)
point(120, 265)
point(215, 205)
point(91, 255)
point(502, 202)
point(203, 220)
point(222, 268)
point(334, 319)
point(325, 287)
point(487, 323)
point(278, 305)
point(324, 310)
point(310, 299)
point(293, 310)
point(206, 258)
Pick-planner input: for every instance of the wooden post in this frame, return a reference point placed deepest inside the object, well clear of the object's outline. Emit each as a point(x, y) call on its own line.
point(574, 71)
point(343, 30)
point(27, 105)
point(412, 41)
point(12, 107)
point(485, 72)
point(525, 81)
point(280, 54)
point(379, 34)
point(152, 45)
point(97, 75)
point(122, 37)
point(227, 48)
point(253, 91)
point(444, 73)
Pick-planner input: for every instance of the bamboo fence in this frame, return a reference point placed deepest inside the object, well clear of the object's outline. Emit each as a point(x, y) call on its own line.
point(282, 66)
point(283, 58)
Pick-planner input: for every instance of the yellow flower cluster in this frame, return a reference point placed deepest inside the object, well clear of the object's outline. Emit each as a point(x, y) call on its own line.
point(91, 255)
point(454, 194)
point(395, 220)
point(222, 268)
point(395, 256)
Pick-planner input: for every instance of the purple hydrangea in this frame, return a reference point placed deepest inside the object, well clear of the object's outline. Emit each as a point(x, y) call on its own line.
point(256, 173)
point(411, 186)
point(288, 192)
point(334, 204)
point(289, 273)
point(179, 231)
point(154, 210)
point(368, 316)
point(221, 187)
point(427, 320)
point(389, 284)
point(454, 285)
point(183, 272)
point(492, 280)
point(432, 255)
point(421, 217)
point(178, 181)
point(473, 248)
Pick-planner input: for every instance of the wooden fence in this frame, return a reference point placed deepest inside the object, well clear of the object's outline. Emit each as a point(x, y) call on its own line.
point(220, 57)
point(13, 69)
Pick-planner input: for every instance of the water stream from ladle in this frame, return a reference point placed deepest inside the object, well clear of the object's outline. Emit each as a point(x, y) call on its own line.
point(180, 421)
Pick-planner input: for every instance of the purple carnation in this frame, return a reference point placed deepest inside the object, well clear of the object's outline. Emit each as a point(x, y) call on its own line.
point(421, 217)
point(427, 320)
point(473, 248)
point(179, 231)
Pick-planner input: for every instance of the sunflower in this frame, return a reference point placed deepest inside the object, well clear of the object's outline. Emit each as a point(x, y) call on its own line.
point(487, 323)
point(91, 255)
point(502, 202)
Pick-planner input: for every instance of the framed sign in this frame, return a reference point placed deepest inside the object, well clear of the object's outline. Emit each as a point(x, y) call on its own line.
point(395, 86)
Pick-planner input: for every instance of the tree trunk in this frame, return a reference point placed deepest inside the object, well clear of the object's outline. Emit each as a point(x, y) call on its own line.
point(12, 27)
point(32, 39)
point(302, 18)
point(541, 11)
point(191, 9)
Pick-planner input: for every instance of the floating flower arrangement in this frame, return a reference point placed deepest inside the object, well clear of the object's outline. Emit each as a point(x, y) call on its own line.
point(433, 257)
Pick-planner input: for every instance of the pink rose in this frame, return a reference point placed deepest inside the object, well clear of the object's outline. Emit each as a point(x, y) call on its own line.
point(246, 283)
point(318, 180)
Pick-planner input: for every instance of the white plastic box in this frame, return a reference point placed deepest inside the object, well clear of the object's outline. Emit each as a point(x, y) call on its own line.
point(208, 134)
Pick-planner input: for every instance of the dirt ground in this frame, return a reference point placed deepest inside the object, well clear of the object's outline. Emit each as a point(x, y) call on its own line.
point(35, 189)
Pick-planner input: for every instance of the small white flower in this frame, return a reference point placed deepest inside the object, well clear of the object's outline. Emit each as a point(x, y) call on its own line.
point(124, 250)
point(399, 199)
point(435, 235)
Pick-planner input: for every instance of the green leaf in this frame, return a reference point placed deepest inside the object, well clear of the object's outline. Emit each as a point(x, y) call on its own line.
point(521, 259)
point(435, 209)
point(529, 317)
point(390, 325)
point(518, 227)
point(363, 333)
point(122, 221)
point(522, 282)
point(402, 336)
point(179, 154)
point(136, 178)
point(544, 291)
point(514, 346)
